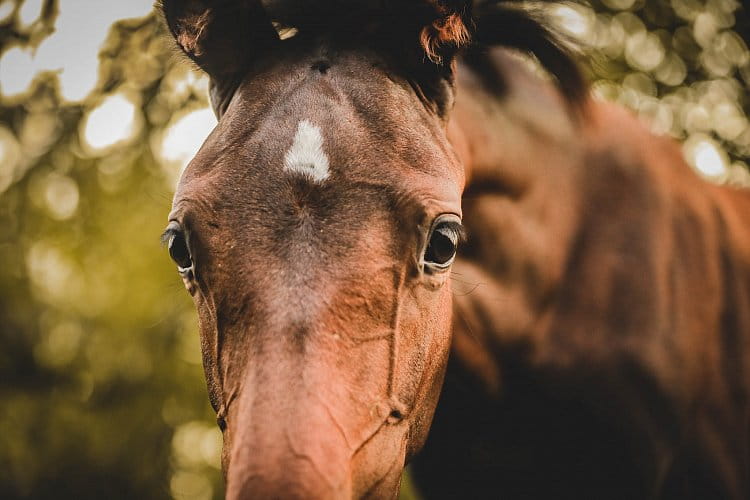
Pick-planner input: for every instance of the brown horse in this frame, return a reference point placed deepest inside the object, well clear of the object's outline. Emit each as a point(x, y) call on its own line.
point(600, 309)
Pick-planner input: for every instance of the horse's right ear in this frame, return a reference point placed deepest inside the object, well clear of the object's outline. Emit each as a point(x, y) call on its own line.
point(219, 35)
point(447, 29)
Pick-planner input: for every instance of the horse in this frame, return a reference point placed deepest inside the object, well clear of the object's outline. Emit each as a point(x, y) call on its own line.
point(589, 340)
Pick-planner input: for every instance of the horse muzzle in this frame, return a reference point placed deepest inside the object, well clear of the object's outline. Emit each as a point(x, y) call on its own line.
point(312, 435)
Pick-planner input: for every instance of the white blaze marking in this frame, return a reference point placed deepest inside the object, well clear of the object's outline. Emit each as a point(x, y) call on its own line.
point(306, 156)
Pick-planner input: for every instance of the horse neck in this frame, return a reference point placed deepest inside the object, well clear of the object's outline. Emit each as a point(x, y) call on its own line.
point(561, 214)
point(522, 153)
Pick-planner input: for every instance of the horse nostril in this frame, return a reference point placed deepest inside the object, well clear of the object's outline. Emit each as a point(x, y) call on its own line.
point(395, 416)
point(222, 423)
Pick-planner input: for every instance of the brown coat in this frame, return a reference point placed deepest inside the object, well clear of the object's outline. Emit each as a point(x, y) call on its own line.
point(602, 309)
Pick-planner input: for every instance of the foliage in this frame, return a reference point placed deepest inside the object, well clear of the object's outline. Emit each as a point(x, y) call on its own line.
point(100, 379)
point(101, 388)
point(682, 65)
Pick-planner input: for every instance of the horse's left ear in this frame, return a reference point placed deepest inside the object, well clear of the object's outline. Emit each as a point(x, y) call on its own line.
point(220, 36)
point(447, 31)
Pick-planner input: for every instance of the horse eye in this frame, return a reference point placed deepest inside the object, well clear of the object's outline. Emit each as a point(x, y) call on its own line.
point(179, 251)
point(441, 249)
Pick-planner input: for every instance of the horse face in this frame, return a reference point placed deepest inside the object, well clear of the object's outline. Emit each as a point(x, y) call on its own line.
point(315, 230)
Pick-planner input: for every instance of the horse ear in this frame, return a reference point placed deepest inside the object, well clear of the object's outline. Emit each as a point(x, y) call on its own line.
point(448, 30)
point(220, 36)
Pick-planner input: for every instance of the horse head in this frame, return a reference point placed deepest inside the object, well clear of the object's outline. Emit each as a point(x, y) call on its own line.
point(315, 230)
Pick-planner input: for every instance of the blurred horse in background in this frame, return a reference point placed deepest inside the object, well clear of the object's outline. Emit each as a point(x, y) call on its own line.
point(597, 318)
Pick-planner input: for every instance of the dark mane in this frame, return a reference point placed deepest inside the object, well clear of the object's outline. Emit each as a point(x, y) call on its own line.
point(488, 23)
point(422, 33)
point(510, 24)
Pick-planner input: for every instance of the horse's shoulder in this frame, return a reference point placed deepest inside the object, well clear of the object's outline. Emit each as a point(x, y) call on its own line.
point(622, 146)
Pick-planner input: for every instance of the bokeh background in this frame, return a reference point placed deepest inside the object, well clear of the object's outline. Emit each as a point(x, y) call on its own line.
point(101, 387)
